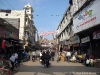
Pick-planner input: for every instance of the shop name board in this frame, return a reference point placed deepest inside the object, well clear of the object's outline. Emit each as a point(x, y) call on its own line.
point(87, 18)
point(86, 39)
point(96, 34)
point(74, 40)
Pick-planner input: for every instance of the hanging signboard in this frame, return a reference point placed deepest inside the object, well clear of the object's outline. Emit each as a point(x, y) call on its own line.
point(86, 39)
point(74, 40)
point(87, 18)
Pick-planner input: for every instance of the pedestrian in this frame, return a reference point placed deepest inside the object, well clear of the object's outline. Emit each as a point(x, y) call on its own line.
point(43, 58)
point(68, 55)
point(13, 59)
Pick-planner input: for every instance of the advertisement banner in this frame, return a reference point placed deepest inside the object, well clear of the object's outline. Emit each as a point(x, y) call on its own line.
point(87, 18)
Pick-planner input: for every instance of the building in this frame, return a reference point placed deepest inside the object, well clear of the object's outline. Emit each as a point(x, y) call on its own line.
point(79, 28)
point(87, 26)
point(64, 29)
point(22, 20)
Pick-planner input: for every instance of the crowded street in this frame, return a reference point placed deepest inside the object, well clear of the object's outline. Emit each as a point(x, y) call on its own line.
point(49, 37)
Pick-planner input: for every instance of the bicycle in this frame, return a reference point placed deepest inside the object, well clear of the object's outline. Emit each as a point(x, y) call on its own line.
point(16, 66)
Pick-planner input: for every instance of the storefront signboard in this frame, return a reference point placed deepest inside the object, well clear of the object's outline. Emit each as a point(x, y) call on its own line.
point(86, 39)
point(74, 40)
point(87, 18)
point(96, 34)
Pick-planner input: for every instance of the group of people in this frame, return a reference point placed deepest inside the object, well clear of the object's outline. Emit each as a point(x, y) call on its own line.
point(88, 59)
point(67, 55)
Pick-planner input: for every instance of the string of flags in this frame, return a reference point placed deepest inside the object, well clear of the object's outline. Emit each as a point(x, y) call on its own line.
point(48, 33)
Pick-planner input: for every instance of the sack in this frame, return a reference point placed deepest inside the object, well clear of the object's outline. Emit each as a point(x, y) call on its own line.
point(87, 61)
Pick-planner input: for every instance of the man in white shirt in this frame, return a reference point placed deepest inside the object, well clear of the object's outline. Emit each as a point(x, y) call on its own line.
point(68, 55)
point(12, 59)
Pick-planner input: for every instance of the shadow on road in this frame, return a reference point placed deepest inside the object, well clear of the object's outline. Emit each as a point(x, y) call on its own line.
point(61, 70)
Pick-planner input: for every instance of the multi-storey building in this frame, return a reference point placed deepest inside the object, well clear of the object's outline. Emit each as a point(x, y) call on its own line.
point(87, 26)
point(22, 20)
point(65, 27)
point(81, 29)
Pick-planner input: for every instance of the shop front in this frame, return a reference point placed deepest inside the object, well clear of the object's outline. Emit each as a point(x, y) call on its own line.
point(96, 43)
point(66, 46)
point(86, 22)
point(85, 45)
point(9, 38)
point(75, 42)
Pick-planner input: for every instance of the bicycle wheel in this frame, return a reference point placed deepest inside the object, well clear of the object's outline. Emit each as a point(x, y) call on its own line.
point(16, 67)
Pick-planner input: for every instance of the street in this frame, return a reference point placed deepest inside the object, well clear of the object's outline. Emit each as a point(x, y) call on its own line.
point(61, 68)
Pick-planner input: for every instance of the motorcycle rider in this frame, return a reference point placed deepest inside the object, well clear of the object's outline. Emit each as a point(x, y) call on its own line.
point(33, 55)
point(47, 58)
point(52, 54)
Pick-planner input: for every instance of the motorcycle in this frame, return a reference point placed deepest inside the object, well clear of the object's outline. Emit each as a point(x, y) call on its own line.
point(47, 64)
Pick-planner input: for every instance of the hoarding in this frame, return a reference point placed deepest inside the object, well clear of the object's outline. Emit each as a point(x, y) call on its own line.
point(87, 18)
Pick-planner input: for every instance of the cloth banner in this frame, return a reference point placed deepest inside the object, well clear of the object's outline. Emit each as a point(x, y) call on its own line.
point(48, 33)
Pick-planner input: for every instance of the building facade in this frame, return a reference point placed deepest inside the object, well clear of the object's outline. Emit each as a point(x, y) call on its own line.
point(22, 20)
point(79, 28)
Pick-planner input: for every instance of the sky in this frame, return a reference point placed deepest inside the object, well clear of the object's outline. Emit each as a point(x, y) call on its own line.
point(47, 13)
